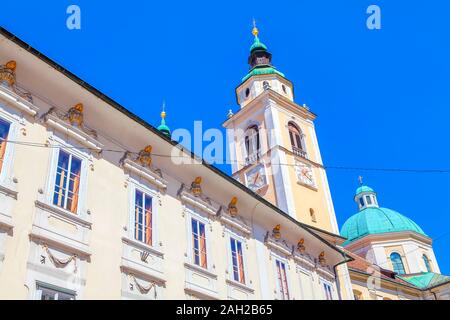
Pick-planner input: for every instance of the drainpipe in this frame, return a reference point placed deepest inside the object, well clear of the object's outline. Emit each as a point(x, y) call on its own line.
point(338, 284)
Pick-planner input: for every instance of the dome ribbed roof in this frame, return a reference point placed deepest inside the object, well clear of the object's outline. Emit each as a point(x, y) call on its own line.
point(377, 221)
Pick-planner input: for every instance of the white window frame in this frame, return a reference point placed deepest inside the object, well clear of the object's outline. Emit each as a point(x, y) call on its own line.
point(192, 214)
point(324, 282)
point(7, 167)
point(136, 185)
point(232, 235)
point(276, 257)
point(38, 294)
point(301, 270)
point(84, 157)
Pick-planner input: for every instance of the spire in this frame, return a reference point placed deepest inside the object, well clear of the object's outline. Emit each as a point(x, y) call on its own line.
point(255, 30)
point(260, 59)
point(257, 44)
point(163, 127)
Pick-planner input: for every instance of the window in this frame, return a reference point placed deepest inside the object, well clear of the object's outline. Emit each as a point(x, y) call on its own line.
point(252, 143)
point(48, 293)
point(397, 263)
point(369, 200)
point(361, 202)
point(67, 184)
point(327, 291)
point(237, 260)
point(4, 131)
point(426, 261)
point(143, 217)
point(199, 243)
point(296, 138)
point(313, 215)
point(282, 280)
point(247, 92)
point(284, 88)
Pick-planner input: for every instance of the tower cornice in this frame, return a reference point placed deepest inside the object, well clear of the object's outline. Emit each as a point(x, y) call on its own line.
point(280, 100)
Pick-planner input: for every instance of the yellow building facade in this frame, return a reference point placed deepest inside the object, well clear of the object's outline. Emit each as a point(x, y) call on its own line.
point(88, 211)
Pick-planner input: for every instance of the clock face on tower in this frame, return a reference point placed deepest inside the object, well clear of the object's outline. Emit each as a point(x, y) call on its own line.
point(305, 174)
point(256, 178)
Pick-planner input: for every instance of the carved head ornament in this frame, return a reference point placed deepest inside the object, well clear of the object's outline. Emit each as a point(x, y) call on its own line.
point(301, 246)
point(75, 115)
point(232, 209)
point(276, 232)
point(145, 156)
point(196, 187)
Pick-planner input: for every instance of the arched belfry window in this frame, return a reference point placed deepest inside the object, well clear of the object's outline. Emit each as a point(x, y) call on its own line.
point(397, 263)
point(426, 261)
point(252, 144)
point(297, 142)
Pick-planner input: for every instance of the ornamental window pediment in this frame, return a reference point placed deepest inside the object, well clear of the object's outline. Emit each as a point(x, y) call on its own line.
point(274, 241)
point(142, 166)
point(71, 125)
point(193, 196)
point(231, 218)
point(12, 93)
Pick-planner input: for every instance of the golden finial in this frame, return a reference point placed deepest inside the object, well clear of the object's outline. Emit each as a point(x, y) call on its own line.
point(255, 30)
point(163, 112)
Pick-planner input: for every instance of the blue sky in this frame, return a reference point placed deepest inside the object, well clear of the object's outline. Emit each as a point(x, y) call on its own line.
point(382, 97)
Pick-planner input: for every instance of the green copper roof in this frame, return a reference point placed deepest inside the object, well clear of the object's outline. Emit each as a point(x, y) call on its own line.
point(364, 189)
point(376, 221)
point(258, 45)
point(426, 280)
point(164, 128)
point(263, 70)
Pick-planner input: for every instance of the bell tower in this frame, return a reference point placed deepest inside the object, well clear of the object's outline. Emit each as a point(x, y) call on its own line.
point(273, 145)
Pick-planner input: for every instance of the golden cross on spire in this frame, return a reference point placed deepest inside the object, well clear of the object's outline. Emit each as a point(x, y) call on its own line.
point(255, 30)
point(360, 179)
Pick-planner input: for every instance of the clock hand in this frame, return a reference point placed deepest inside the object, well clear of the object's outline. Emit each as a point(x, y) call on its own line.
point(256, 178)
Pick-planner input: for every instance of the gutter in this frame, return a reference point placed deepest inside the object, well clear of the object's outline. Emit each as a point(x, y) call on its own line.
point(338, 283)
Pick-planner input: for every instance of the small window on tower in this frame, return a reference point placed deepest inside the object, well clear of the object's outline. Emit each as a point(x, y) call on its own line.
point(369, 200)
point(284, 88)
point(247, 92)
point(361, 202)
point(313, 215)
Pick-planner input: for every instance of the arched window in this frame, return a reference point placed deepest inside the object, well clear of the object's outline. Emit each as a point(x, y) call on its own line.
point(397, 263)
point(297, 143)
point(426, 261)
point(313, 215)
point(252, 144)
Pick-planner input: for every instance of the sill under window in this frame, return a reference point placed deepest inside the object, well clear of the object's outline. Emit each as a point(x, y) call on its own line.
point(63, 213)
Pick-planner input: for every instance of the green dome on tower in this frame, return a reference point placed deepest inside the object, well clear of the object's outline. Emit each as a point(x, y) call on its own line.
point(257, 45)
point(163, 127)
point(371, 219)
point(260, 59)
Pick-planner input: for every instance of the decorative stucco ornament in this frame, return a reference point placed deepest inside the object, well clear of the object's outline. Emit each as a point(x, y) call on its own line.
point(232, 209)
point(301, 246)
point(322, 260)
point(75, 115)
point(7, 73)
point(276, 232)
point(145, 156)
point(196, 187)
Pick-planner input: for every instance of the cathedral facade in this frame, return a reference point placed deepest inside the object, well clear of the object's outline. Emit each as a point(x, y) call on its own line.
point(92, 208)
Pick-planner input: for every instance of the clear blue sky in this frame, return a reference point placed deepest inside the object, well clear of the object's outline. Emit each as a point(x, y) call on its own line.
point(382, 97)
